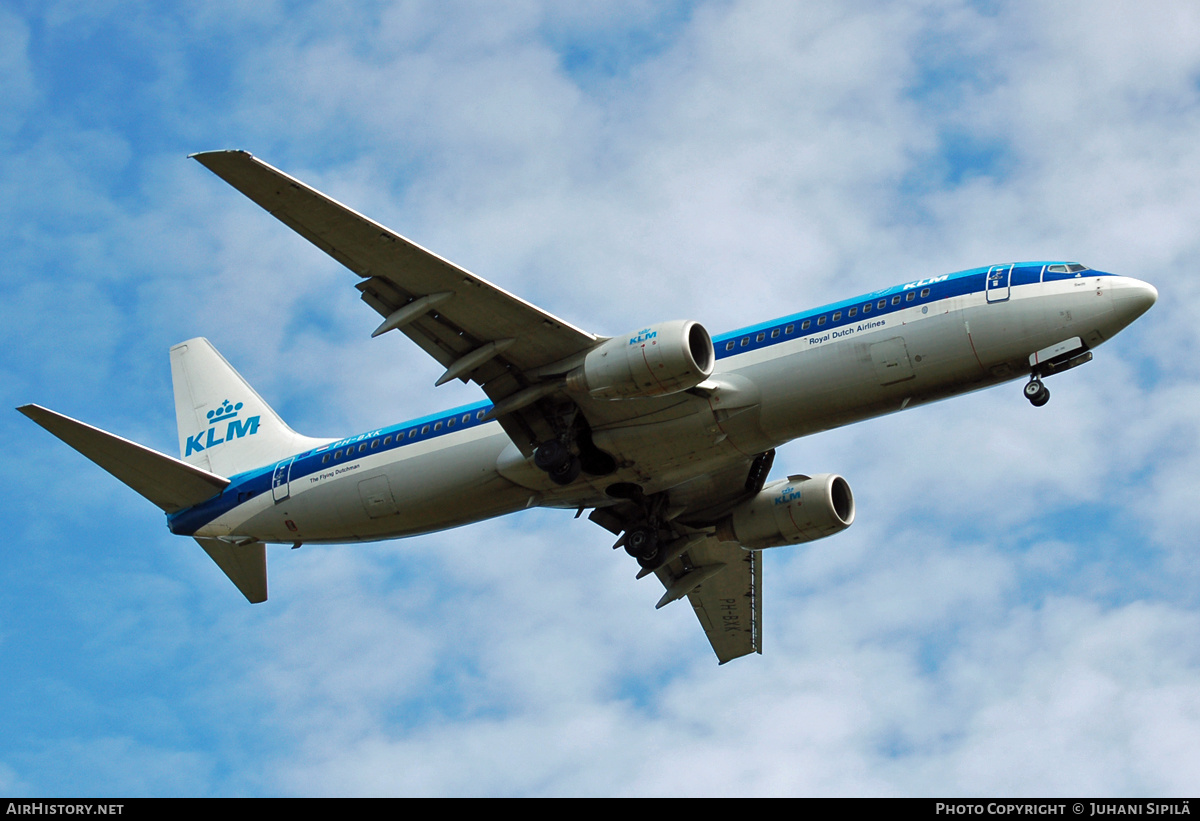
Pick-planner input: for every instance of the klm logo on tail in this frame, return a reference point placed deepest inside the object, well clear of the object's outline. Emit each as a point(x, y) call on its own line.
point(236, 428)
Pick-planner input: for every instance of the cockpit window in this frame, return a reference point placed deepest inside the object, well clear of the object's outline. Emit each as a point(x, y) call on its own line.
point(1068, 268)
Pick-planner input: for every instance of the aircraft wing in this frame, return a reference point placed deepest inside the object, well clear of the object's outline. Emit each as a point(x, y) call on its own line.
point(475, 329)
point(722, 580)
point(728, 597)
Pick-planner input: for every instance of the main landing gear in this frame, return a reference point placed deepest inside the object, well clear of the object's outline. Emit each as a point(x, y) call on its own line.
point(642, 539)
point(572, 452)
point(554, 457)
point(641, 542)
point(1037, 393)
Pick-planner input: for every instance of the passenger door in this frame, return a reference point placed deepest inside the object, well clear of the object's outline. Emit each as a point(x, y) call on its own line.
point(998, 283)
point(280, 487)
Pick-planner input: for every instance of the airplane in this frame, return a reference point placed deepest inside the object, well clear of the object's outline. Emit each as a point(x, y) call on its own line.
point(666, 434)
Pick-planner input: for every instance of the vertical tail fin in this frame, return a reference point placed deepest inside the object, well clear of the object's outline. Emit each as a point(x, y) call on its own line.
point(225, 427)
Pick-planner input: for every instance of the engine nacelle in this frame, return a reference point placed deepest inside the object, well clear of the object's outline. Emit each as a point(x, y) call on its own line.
point(663, 359)
point(793, 510)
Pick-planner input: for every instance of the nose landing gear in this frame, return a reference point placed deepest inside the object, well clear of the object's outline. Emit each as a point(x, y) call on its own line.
point(1037, 393)
point(1070, 353)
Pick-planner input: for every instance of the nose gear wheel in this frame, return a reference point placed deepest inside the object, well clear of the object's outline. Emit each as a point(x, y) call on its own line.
point(1037, 393)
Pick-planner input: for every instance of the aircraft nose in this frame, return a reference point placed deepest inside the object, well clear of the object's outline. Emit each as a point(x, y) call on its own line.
point(1133, 298)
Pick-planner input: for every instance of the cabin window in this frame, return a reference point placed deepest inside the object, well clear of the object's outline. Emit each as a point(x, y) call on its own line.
point(837, 315)
point(374, 444)
point(412, 433)
point(362, 447)
point(745, 341)
point(867, 308)
point(480, 414)
point(437, 426)
point(881, 304)
point(425, 430)
point(450, 422)
point(760, 337)
point(896, 299)
point(387, 440)
point(729, 345)
point(852, 313)
point(924, 293)
point(820, 321)
point(788, 330)
point(325, 459)
point(774, 333)
point(910, 297)
point(466, 418)
point(337, 454)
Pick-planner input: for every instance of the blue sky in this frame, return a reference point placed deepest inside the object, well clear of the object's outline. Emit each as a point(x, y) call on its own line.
point(1015, 608)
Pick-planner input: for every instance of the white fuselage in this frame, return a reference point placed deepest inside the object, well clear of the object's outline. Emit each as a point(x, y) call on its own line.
point(764, 392)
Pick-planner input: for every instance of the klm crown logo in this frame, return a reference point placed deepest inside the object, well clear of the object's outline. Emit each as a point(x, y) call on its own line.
point(226, 411)
point(236, 429)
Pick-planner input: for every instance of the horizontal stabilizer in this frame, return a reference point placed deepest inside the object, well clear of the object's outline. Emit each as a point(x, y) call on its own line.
point(165, 481)
point(244, 564)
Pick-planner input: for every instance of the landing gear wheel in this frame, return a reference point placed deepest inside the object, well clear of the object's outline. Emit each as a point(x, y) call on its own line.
point(642, 543)
point(551, 455)
point(1037, 393)
point(648, 563)
point(567, 472)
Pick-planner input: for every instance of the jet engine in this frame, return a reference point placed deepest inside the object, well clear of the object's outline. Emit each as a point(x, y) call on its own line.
point(791, 511)
point(657, 361)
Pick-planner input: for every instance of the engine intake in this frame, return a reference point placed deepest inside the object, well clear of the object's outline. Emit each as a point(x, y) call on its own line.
point(791, 511)
point(660, 360)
